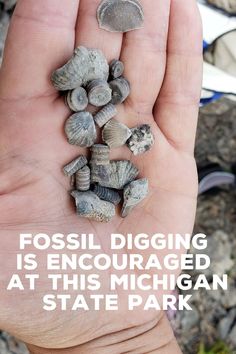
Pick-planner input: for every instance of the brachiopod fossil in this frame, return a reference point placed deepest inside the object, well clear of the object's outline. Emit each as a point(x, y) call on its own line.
point(99, 93)
point(116, 68)
point(77, 99)
point(80, 129)
point(141, 139)
point(100, 154)
point(105, 114)
point(75, 165)
point(120, 90)
point(120, 15)
point(134, 193)
point(107, 194)
point(82, 179)
point(115, 175)
point(89, 206)
point(115, 134)
point(84, 66)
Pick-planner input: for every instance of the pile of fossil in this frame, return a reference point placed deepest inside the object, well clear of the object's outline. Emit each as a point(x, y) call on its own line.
point(90, 82)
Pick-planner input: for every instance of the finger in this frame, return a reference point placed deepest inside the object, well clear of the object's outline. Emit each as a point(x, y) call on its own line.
point(144, 55)
point(41, 38)
point(177, 105)
point(90, 35)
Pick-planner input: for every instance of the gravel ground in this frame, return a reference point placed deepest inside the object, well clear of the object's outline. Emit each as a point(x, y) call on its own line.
point(214, 313)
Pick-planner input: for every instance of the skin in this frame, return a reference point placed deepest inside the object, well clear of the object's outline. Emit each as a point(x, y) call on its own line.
point(163, 62)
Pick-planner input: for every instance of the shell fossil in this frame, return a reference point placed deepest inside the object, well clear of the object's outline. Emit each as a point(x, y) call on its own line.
point(105, 114)
point(134, 193)
point(99, 93)
point(115, 175)
point(107, 194)
point(90, 206)
point(115, 134)
point(120, 15)
point(75, 165)
point(141, 139)
point(116, 68)
point(84, 66)
point(80, 129)
point(100, 154)
point(82, 179)
point(77, 99)
point(120, 90)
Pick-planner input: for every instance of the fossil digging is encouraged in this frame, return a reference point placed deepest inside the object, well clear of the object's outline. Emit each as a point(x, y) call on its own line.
point(89, 83)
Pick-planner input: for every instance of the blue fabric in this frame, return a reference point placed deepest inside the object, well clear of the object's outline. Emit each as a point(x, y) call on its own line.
point(215, 97)
point(205, 45)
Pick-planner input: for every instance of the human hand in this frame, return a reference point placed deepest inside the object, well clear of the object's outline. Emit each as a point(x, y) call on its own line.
point(163, 64)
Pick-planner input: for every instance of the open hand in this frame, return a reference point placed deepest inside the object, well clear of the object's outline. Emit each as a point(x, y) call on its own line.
point(163, 64)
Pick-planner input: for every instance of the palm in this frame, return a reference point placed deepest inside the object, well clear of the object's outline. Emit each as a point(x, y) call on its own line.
point(34, 191)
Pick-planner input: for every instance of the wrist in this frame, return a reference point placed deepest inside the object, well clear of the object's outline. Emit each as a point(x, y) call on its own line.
point(155, 337)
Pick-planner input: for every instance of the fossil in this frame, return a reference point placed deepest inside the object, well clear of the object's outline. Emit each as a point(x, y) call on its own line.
point(115, 175)
point(107, 194)
point(120, 90)
point(116, 68)
point(100, 154)
point(84, 66)
point(115, 134)
point(89, 205)
point(120, 15)
point(75, 165)
point(141, 139)
point(80, 129)
point(134, 193)
point(99, 93)
point(82, 179)
point(77, 99)
point(72, 182)
point(105, 114)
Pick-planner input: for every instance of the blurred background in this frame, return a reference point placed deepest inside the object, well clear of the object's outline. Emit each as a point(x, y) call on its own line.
point(211, 327)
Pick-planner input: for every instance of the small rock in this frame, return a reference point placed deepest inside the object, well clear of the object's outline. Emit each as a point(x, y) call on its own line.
point(232, 336)
point(219, 250)
point(226, 323)
point(190, 319)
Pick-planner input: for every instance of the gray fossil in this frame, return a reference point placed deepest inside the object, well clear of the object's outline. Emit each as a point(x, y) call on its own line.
point(90, 206)
point(116, 68)
point(77, 99)
point(71, 168)
point(134, 193)
point(100, 155)
point(115, 175)
point(84, 66)
point(99, 93)
point(107, 194)
point(82, 179)
point(80, 129)
point(120, 15)
point(141, 140)
point(105, 114)
point(115, 134)
point(120, 90)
